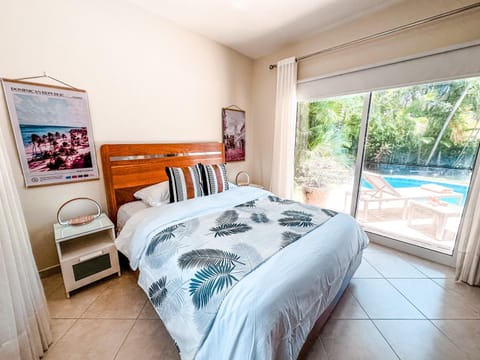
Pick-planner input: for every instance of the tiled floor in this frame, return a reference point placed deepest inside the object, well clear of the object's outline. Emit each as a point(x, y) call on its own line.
point(396, 307)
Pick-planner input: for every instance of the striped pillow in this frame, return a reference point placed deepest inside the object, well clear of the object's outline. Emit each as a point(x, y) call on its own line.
point(214, 179)
point(184, 183)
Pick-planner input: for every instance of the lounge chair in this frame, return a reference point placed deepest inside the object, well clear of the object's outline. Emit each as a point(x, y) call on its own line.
point(382, 191)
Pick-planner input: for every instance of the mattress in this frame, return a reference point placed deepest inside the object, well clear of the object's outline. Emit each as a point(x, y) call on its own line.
point(127, 210)
point(268, 313)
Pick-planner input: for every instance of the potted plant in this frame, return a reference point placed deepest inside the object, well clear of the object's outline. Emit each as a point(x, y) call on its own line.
point(317, 175)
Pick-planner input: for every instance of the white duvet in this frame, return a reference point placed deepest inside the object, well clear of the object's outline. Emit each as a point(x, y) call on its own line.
point(269, 313)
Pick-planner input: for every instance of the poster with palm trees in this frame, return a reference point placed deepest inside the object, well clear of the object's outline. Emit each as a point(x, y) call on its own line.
point(234, 134)
point(53, 132)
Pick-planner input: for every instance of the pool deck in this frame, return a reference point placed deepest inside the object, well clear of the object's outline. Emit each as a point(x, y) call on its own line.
point(392, 220)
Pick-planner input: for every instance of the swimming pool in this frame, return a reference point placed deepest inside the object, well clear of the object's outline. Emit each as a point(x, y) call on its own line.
point(402, 182)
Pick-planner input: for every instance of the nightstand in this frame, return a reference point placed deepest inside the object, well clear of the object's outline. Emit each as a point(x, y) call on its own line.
point(86, 252)
point(252, 185)
point(246, 182)
point(257, 186)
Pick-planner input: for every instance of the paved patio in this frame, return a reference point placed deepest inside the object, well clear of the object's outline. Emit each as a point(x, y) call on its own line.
point(392, 220)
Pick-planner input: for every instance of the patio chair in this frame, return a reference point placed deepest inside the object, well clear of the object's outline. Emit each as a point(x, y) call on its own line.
point(382, 191)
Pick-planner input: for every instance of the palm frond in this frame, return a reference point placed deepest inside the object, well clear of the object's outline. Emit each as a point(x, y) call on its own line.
point(296, 218)
point(210, 281)
point(229, 229)
point(289, 237)
point(177, 295)
point(249, 255)
point(228, 217)
point(296, 222)
point(248, 204)
point(161, 254)
point(157, 291)
point(164, 235)
point(207, 257)
point(276, 199)
point(296, 214)
point(259, 218)
point(329, 212)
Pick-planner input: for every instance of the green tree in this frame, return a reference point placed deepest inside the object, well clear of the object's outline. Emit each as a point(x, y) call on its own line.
point(403, 127)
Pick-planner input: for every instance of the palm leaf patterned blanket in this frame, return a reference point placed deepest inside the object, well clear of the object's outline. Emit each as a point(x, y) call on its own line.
point(192, 265)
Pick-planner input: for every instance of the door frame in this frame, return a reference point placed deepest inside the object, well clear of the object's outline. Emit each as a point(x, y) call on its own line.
point(397, 244)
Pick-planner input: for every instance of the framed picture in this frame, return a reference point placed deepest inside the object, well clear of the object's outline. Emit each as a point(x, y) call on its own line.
point(234, 134)
point(53, 132)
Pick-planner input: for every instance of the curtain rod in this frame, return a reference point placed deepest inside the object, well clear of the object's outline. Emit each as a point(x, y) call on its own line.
point(388, 32)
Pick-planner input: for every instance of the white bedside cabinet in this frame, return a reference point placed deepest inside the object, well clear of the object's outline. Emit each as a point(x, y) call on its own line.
point(86, 252)
point(257, 186)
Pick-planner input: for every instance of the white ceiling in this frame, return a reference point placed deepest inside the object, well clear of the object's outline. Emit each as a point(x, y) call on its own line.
point(259, 27)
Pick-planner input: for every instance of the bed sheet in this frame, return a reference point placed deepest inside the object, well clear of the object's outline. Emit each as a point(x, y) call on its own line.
point(133, 238)
point(127, 210)
point(297, 284)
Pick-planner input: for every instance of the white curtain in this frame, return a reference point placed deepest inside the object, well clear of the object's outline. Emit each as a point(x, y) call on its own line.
point(24, 327)
point(281, 182)
point(468, 257)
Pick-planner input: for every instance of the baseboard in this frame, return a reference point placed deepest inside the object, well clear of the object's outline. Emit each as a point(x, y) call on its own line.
point(51, 270)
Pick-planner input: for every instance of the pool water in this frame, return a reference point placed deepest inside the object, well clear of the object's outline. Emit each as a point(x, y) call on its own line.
point(402, 182)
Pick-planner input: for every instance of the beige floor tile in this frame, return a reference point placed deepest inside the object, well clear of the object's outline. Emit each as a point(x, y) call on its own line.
point(381, 300)
point(347, 335)
point(52, 283)
point(429, 268)
point(418, 340)
point(148, 312)
point(365, 270)
point(79, 301)
point(463, 333)
point(348, 308)
point(469, 293)
point(392, 266)
point(434, 301)
point(148, 339)
point(317, 352)
point(128, 277)
point(59, 327)
point(354, 339)
point(122, 300)
point(91, 339)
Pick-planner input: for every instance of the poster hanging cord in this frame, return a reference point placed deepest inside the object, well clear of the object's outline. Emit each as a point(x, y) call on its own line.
point(45, 75)
point(233, 107)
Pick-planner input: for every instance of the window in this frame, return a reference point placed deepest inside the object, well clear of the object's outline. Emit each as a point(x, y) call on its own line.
point(413, 165)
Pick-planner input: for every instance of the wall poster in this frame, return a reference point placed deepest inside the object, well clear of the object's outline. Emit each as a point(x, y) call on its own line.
point(234, 134)
point(53, 132)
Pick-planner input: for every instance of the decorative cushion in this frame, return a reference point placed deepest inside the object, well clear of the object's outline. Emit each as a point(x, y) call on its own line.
point(184, 183)
point(214, 178)
point(154, 195)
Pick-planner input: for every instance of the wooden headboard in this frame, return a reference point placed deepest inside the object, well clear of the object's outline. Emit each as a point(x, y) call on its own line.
point(130, 167)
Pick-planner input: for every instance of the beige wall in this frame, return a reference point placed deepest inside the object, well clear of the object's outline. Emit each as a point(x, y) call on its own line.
point(444, 33)
point(147, 81)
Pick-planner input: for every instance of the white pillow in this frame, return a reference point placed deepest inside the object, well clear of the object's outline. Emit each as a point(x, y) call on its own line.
point(154, 195)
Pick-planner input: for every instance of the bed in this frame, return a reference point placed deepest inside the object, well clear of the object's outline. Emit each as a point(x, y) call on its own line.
point(265, 298)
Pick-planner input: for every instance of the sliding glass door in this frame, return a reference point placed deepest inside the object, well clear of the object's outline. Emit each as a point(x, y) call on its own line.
point(326, 150)
point(408, 176)
point(420, 151)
